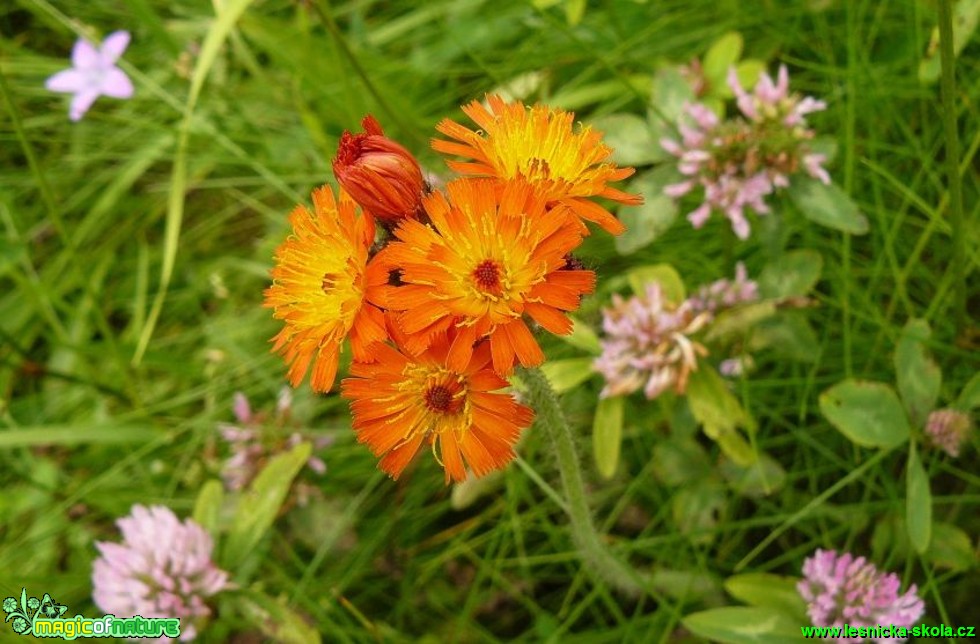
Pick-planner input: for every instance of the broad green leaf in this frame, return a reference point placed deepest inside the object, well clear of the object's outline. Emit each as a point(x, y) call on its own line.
point(207, 507)
point(574, 11)
point(766, 590)
point(827, 205)
point(679, 461)
point(630, 138)
point(744, 625)
point(275, 619)
point(720, 413)
point(918, 503)
point(966, 16)
point(918, 376)
point(669, 94)
point(568, 373)
point(607, 434)
point(761, 478)
point(583, 337)
point(787, 333)
point(722, 55)
point(748, 72)
point(654, 217)
point(685, 584)
point(795, 273)
point(739, 319)
point(868, 413)
point(969, 398)
point(259, 505)
point(951, 548)
point(698, 508)
point(671, 284)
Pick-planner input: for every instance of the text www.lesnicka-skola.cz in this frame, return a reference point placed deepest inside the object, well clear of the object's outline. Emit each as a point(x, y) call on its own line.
point(880, 630)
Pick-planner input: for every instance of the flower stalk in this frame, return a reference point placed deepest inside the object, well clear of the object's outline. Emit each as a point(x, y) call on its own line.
point(598, 558)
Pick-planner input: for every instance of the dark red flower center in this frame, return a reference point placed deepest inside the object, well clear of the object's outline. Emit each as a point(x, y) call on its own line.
point(487, 276)
point(438, 398)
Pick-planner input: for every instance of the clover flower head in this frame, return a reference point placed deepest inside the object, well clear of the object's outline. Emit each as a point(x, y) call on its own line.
point(949, 429)
point(740, 161)
point(724, 294)
point(93, 73)
point(33, 603)
point(162, 568)
point(20, 625)
point(648, 344)
point(9, 605)
point(842, 589)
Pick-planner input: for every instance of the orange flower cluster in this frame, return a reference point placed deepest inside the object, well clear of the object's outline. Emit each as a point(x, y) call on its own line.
point(441, 310)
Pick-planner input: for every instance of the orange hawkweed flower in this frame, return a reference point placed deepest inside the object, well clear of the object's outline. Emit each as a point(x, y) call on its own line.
point(402, 401)
point(538, 144)
point(491, 254)
point(323, 288)
point(381, 175)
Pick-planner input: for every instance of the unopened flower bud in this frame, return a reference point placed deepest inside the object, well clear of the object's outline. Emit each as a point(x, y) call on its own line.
point(381, 175)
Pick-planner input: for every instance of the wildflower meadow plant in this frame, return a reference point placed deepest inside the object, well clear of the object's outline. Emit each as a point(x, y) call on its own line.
point(93, 73)
point(438, 317)
point(843, 589)
point(162, 568)
point(740, 161)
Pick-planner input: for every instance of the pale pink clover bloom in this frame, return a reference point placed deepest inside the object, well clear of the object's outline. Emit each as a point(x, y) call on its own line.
point(842, 589)
point(162, 568)
point(93, 73)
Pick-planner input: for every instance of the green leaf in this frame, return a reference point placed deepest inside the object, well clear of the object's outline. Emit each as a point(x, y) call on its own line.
point(720, 413)
point(765, 590)
point(722, 55)
point(607, 434)
point(669, 94)
point(918, 376)
point(748, 72)
point(789, 334)
point(795, 273)
point(739, 319)
point(207, 507)
point(13, 252)
point(678, 461)
point(574, 11)
point(78, 435)
point(867, 413)
point(698, 508)
point(568, 373)
point(966, 16)
point(827, 205)
point(630, 138)
point(671, 284)
point(744, 625)
point(761, 478)
point(951, 548)
point(583, 337)
point(275, 619)
point(918, 503)
point(969, 398)
point(259, 505)
point(654, 217)
point(825, 145)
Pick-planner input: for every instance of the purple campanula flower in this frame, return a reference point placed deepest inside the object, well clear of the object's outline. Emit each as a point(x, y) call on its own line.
point(93, 73)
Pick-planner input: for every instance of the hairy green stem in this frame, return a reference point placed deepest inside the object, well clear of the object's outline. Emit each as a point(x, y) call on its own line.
point(598, 558)
point(948, 83)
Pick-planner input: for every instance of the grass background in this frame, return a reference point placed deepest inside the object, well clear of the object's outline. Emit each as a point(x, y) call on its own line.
point(106, 402)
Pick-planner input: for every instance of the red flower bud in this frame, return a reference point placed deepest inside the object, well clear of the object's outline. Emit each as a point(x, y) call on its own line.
point(380, 175)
